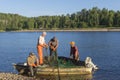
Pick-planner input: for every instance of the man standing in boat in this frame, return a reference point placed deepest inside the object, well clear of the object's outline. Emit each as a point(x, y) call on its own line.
point(41, 44)
point(53, 45)
point(32, 62)
point(74, 51)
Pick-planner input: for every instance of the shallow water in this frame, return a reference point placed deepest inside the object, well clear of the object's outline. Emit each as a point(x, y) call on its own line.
point(102, 47)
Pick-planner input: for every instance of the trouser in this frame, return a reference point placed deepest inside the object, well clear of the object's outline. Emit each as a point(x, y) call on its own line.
point(75, 57)
point(40, 54)
point(53, 56)
point(31, 70)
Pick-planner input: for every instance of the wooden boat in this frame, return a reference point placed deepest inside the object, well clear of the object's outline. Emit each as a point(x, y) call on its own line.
point(64, 66)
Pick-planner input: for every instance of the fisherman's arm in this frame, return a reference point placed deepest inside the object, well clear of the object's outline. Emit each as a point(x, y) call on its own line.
point(76, 53)
point(30, 64)
point(56, 45)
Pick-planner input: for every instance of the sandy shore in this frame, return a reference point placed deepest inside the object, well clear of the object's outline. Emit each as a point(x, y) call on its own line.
point(75, 30)
point(72, 30)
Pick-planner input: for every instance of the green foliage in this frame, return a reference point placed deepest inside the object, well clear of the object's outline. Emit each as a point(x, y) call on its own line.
point(82, 19)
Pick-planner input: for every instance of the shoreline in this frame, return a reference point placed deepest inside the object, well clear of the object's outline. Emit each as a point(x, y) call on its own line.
point(12, 76)
point(72, 30)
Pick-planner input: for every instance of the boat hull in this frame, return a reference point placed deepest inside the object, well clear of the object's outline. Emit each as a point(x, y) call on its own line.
point(64, 71)
point(78, 69)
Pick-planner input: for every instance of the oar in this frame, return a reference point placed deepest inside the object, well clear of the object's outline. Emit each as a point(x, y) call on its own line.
point(58, 67)
point(47, 55)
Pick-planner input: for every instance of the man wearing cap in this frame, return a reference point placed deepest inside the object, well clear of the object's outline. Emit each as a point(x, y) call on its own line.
point(41, 44)
point(74, 51)
point(53, 45)
point(32, 62)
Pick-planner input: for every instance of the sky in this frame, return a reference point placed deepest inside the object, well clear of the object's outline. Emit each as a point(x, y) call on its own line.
point(34, 8)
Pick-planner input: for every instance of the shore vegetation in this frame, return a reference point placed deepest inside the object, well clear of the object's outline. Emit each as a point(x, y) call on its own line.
point(84, 19)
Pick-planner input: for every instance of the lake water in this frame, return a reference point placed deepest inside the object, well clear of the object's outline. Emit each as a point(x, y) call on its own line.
point(102, 47)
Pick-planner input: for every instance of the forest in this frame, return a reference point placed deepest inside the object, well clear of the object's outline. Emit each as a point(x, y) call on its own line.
point(91, 18)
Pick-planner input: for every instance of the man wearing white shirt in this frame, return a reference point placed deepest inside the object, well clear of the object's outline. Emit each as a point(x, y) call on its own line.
point(40, 46)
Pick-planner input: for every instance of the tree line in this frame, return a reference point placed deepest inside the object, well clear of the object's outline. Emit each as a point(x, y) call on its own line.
point(92, 18)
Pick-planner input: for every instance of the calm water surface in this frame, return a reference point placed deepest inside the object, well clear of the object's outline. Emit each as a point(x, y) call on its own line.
point(102, 47)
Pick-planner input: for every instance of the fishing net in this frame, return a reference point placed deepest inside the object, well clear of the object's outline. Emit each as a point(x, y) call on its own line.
point(63, 62)
point(60, 61)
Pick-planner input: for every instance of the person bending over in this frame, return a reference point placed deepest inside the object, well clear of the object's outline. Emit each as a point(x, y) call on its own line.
point(74, 51)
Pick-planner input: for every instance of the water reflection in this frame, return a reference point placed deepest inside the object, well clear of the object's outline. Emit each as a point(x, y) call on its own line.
point(66, 77)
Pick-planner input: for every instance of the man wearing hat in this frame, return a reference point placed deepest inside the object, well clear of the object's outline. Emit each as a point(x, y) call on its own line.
point(74, 51)
point(32, 62)
point(53, 45)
